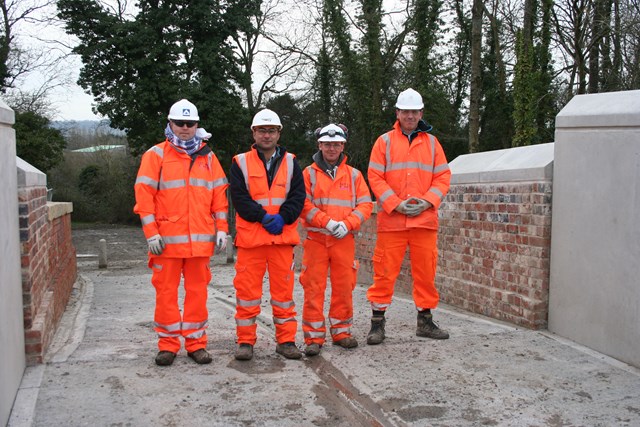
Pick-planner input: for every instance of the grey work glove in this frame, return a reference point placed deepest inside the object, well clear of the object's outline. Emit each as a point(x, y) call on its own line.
point(340, 231)
point(331, 226)
point(156, 244)
point(417, 206)
point(221, 240)
point(402, 207)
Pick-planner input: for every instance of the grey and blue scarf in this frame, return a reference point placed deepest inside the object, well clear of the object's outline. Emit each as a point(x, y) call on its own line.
point(190, 146)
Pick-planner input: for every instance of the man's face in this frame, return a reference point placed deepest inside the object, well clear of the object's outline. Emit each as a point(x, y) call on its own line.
point(331, 150)
point(266, 137)
point(408, 119)
point(183, 129)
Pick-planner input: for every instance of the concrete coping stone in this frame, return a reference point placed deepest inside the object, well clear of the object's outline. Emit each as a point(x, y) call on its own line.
point(58, 209)
point(29, 176)
point(609, 109)
point(529, 163)
point(7, 115)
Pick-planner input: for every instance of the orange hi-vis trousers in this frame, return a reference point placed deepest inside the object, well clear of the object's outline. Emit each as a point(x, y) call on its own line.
point(388, 254)
point(169, 324)
point(324, 254)
point(251, 265)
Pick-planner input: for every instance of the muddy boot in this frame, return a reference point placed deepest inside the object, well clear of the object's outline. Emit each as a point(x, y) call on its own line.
point(289, 350)
point(200, 356)
point(312, 349)
point(348, 342)
point(376, 334)
point(165, 358)
point(428, 328)
point(244, 352)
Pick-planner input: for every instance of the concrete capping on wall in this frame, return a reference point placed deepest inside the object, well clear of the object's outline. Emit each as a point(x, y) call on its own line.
point(530, 163)
point(58, 209)
point(610, 109)
point(7, 115)
point(29, 176)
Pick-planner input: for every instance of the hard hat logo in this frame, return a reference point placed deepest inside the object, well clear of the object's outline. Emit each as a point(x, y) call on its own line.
point(183, 110)
point(266, 117)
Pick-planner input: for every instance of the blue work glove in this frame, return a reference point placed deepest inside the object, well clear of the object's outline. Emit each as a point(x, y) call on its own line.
point(273, 224)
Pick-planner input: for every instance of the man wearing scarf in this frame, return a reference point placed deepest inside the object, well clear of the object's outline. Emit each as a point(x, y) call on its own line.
point(181, 199)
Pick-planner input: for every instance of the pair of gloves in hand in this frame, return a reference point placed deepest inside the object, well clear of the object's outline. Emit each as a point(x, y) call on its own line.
point(157, 245)
point(338, 229)
point(273, 223)
point(413, 206)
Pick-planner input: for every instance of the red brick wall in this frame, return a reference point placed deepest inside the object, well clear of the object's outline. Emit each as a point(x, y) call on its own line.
point(494, 247)
point(48, 269)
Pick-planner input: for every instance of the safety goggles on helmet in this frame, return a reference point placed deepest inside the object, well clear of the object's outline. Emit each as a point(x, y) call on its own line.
point(181, 123)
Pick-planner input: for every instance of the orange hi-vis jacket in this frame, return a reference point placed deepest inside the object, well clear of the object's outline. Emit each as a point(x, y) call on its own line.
point(182, 199)
point(345, 198)
point(253, 234)
point(399, 170)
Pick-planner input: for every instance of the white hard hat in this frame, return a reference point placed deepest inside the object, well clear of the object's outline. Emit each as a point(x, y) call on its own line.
point(266, 117)
point(183, 110)
point(332, 133)
point(409, 100)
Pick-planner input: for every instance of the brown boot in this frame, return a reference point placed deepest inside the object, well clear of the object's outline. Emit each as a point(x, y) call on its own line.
point(312, 349)
point(289, 350)
point(348, 342)
point(201, 356)
point(165, 358)
point(244, 352)
point(430, 329)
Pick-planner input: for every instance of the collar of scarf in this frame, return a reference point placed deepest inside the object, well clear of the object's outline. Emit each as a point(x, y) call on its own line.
point(190, 146)
point(328, 168)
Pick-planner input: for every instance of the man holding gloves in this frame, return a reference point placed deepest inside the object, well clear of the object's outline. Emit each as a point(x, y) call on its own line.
point(267, 191)
point(409, 175)
point(337, 203)
point(181, 199)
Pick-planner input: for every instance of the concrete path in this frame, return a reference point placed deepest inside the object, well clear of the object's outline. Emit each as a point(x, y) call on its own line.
point(100, 370)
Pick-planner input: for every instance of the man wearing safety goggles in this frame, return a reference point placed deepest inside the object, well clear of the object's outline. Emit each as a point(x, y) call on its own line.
point(338, 202)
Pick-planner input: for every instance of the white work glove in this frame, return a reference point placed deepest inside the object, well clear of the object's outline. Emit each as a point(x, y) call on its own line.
point(340, 231)
point(331, 225)
point(156, 244)
point(221, 240)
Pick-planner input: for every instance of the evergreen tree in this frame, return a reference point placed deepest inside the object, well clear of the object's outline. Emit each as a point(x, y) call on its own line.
point(36, 143)
point(136, 68)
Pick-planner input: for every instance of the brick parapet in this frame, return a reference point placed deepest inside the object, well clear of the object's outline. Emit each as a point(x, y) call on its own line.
point(48, 267)
point(494, 250)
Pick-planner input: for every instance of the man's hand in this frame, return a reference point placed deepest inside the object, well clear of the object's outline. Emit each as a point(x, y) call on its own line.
point(402, 207)
point(156, 244)
point(273, 224)
point(340, 231)
point(221, 240)
point(413, 206)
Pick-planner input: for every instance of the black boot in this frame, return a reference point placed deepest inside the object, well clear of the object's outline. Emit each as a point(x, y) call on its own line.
point(428, 328)
point(376, 334)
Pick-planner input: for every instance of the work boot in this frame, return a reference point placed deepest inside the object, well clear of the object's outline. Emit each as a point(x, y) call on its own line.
point(348, 342)
point(376, 334)
point(289, 350)
point(200, 356)
point(165, 358)
point(428, 328)
point(244, 352)
point(312, 349)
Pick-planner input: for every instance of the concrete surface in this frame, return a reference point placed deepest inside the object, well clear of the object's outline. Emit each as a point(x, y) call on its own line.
point(100, 371)
point(594, 296)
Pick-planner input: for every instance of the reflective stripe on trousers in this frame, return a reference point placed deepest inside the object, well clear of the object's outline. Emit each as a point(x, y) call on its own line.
point(251, 266)
point(169, 323)
point(323, 254)
point(387, 261)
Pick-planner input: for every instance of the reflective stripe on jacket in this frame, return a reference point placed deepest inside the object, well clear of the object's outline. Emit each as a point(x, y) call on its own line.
point(182, 198)
point(399, 170)
point(345, 198)
point(252, 234)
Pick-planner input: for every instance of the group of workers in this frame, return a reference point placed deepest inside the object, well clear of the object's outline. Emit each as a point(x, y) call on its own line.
point(181, 197)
